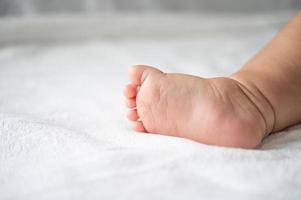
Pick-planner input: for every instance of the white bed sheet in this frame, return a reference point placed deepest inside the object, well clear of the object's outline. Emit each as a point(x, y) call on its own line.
point(63, 132)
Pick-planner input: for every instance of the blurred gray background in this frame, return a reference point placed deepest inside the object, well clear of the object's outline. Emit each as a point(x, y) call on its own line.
point(33, 7)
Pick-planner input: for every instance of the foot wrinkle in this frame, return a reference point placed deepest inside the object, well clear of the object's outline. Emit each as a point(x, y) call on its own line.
point(243, 89)
point(217, 91)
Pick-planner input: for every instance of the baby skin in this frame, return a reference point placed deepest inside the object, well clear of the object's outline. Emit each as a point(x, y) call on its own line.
point(237, 111)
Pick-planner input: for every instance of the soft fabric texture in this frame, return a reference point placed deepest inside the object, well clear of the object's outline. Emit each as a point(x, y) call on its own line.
point(63, 131)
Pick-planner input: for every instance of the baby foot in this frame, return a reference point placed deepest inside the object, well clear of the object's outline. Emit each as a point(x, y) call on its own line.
point(213, 111)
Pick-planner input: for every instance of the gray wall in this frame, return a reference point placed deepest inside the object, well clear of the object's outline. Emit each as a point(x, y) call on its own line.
point(32, 7)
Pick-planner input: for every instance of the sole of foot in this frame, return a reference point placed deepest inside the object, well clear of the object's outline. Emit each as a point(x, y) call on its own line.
point(212, 111)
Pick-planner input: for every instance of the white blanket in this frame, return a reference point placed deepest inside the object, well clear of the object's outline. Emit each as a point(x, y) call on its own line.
point(63, 131)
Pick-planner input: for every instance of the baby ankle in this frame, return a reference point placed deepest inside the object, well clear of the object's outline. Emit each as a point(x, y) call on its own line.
point(257, 97)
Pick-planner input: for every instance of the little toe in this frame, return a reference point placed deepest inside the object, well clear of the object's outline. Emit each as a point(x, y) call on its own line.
point(133, 115)
point(130, 91)
point(137, 73)
point(130, 103)
point(138, 126)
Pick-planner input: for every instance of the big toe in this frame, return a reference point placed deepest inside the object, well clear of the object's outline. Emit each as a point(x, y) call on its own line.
point(138, 73)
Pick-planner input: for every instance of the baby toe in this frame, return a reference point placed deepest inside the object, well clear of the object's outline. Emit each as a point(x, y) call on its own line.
point(138, 126)
point(130, 103)
point(133, 115)
point(130, 91)
point(138, 73)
